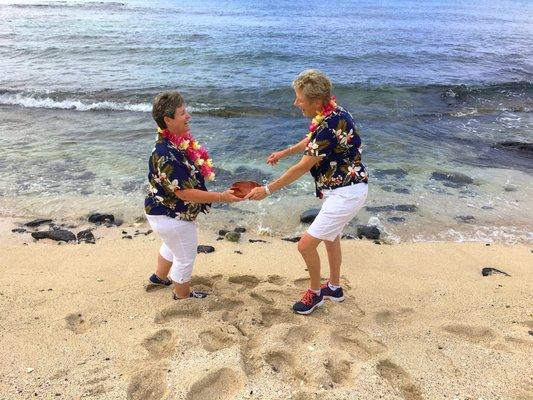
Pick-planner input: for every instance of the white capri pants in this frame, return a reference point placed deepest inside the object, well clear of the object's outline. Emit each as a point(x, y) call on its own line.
point(339, 207)
point(180, 241)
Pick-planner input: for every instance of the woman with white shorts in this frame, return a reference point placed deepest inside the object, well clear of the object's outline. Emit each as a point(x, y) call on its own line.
point(332, 153)
point(178, 169)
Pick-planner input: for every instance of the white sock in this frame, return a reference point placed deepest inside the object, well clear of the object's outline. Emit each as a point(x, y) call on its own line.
point(317, 292)
point(333, 287)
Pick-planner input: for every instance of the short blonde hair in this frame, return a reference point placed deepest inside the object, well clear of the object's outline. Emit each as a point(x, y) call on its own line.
point(314, 85)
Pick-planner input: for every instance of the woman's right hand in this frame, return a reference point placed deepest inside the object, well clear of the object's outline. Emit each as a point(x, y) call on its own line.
point(229, 197)
point(275, 157)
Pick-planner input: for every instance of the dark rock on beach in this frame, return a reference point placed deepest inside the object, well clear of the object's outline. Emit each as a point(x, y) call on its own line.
point(348, 237)
point(205, 249)
point(98, 218)
point(293, 239)
point(37, 222)
point(454, 177)
point(486, 271)
point(127, 237)
point(392, 207)
point(257, 241)
point(222, 232)
point(18, 230)
point(86, 236)
point(239, 230)
point(58, 235)
point(232, 236)
point(309, 216)
point(371, 232)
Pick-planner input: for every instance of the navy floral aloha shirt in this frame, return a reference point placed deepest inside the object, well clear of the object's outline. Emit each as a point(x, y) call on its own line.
point(170, 169)
point(338, 144)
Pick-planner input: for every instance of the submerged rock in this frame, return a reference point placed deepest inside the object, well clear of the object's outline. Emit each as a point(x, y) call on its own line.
point(37, 222)
point(397, 173)
point(18, 230)
point(309, 216)
point(524, 148)
point(396, 220)
point(465, 218)
point(86, 236)
point(57, 235)
point(486, 271)
point(392, 207)
point(205, 249)
point(455, 177)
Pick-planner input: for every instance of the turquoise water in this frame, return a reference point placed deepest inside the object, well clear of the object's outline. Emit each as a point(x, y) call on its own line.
point(433, 87)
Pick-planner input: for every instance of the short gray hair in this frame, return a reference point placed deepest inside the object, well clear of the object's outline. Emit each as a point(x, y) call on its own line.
point(164, 105)
point(314, 85)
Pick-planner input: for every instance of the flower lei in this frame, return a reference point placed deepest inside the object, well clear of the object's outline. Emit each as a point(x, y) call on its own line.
point(325, 112)
point(196, 153)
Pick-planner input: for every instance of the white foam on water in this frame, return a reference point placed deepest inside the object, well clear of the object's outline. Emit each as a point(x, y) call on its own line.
point(29, 101)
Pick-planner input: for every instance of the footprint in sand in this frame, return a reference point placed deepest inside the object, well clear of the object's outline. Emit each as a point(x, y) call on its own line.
point(357, 342)
point(473, 334)
point(77, 323)
point(214, 339)
point(338, 369)
point(388, 317)
point(273, 316)
point(248, 281)
point(223, 303)
point(161, 344)
point(399, 379)
point(298, 334)
point(204, 281)
point(149, 384)
point(221, 384)
point(251, 360)
point(276, 280)
point(283, 363)
point(182, 309)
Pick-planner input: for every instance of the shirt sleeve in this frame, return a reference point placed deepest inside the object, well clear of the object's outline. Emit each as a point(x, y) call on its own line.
point(172, 174)
point(322, 144)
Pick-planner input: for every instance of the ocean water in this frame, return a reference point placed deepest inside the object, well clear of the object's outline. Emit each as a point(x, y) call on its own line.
point(433, 86)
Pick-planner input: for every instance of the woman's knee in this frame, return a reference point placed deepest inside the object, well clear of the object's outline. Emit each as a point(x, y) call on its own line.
point(306, 245)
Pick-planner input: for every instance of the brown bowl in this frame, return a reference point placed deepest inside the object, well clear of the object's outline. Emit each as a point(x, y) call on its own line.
point(242, 188)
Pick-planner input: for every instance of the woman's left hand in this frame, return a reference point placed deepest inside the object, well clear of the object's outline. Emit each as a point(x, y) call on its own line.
point(258, 193)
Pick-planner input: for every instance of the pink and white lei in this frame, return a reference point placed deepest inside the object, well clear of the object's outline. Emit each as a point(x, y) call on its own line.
point(325, 112)
point(196, 153)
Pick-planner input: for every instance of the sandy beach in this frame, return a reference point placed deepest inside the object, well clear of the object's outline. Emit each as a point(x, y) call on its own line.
point(419, 322)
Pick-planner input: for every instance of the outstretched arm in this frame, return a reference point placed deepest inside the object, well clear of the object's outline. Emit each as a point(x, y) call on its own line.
point(294, 149)
point(201, 196)
point(292, 174)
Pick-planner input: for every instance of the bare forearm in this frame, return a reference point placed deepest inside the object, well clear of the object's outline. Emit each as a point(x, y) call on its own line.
point(295, 148)
point(291, 175)
point(198, 196)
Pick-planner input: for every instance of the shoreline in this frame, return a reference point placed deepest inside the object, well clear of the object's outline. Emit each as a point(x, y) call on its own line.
point(419, 321)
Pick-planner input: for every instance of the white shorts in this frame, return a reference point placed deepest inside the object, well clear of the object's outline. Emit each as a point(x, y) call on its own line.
point(180, 241)
point(339, 207)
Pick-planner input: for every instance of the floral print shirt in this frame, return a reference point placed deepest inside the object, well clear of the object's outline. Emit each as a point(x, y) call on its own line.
point(338, 145)
point(170, 169)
